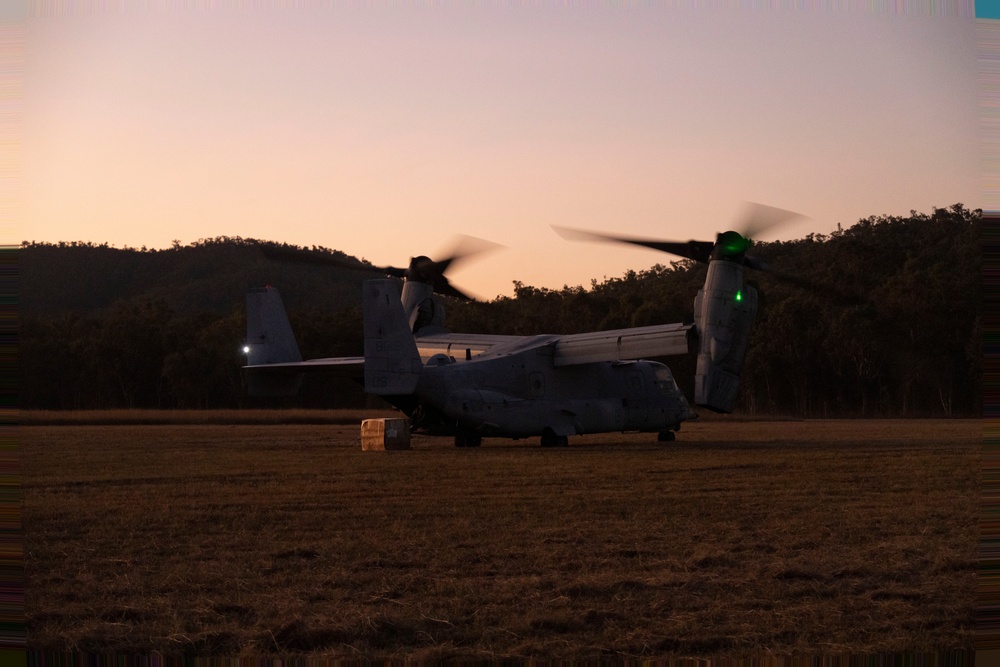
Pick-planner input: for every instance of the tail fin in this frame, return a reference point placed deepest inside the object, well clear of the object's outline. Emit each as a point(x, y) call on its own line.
point(270, 341)
point(392, 362)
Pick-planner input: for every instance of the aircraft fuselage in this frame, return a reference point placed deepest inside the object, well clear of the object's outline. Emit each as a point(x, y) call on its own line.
point(521, 393)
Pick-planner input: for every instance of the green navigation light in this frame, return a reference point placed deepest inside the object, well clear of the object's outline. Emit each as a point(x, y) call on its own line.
point(739, 296)
point(731, 244)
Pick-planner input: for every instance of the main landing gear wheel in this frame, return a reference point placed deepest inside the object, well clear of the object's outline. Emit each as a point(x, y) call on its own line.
point(468, 441)
point(666, 436)
point(550, 439)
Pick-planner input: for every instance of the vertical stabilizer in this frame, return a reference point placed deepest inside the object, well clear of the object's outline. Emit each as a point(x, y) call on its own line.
point(269, 335)
point(270, 341)
point(392, 362)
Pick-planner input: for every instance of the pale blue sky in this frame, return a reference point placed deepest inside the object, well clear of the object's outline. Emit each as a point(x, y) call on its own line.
point(381, 131)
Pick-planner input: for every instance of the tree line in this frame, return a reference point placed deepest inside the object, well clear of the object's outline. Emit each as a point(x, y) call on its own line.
point(880, 319)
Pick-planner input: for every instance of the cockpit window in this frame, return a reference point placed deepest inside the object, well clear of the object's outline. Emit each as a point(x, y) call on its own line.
point(665, 379)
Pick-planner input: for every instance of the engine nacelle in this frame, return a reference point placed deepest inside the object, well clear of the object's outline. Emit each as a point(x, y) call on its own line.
point(423, 310)
point(724, 311)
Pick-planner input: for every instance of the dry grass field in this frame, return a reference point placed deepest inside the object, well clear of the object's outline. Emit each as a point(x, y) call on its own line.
point(740, 539)
point(188, 417)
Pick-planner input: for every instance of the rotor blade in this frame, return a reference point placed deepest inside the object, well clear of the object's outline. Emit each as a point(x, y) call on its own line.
point(755, 219)
point(462, 248)
point(421, 268)
point(699, 251)
point(829, 292)
point(442, 286)
point(303, 256)
point(825, 291)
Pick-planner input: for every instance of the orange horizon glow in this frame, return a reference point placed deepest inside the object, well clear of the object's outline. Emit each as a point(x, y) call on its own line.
point(382, 132)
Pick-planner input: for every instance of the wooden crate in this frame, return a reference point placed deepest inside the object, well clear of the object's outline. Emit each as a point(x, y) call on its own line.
point(379, 435)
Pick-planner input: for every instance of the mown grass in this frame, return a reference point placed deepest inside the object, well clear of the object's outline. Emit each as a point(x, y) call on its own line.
point(739, 539)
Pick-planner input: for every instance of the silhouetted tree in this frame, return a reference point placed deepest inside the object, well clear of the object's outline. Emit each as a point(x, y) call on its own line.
point(881, 318)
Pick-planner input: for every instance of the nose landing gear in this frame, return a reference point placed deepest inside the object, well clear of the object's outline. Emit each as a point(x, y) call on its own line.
point(550, 439)
point(468, 441)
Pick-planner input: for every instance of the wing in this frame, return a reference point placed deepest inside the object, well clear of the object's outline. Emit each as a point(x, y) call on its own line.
point(461, 346)
point(660, 340)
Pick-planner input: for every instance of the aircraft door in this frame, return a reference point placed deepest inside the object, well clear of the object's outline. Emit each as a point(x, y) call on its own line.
point(636, 403)
point(536, 385)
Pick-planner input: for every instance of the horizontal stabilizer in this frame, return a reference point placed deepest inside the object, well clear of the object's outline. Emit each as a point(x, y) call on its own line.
point(346, 366)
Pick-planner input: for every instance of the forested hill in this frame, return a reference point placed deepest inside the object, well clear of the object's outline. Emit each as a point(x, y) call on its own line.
point(210, 275)
point(880, 319)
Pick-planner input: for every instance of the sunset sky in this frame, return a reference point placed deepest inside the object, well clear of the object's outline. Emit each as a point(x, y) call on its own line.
point(384, 129)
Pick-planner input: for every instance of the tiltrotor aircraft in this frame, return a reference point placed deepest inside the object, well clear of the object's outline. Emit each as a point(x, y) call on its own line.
point(471, 386)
